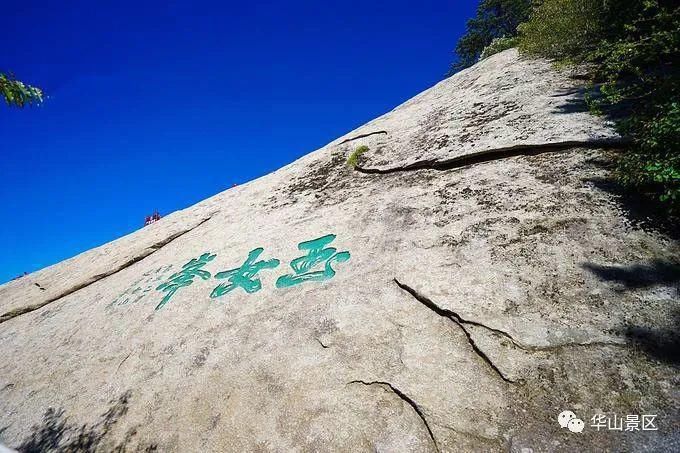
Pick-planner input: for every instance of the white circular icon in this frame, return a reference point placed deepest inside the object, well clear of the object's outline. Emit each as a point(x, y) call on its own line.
point(575, 425)
point(564, 418)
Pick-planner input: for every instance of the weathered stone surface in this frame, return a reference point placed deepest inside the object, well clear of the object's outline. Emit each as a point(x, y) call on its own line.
point(502, 103)
point(477, 304)
point(28, 294)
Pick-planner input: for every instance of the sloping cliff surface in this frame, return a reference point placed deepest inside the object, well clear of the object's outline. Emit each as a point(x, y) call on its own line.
point(470, 280)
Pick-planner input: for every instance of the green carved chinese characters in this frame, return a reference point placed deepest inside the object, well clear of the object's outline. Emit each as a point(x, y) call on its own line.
point(315, 266)
point(244, 276)
point(185, 277)
point(317, 253)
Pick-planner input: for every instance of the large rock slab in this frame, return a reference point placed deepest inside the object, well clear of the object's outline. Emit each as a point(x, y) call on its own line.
point(50, 284)
point(421, 310)
point(502, 103)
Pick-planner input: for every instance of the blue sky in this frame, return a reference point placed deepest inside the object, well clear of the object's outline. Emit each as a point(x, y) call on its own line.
point(158, 105)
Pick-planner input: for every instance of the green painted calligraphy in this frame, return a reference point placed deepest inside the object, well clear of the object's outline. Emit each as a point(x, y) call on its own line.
point(244, 276)
point(316, 254)
point(141, 286)
point(185, 277)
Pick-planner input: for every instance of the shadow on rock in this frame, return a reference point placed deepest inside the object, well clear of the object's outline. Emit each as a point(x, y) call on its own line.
point(48, 436)
point(56, 435)
point(642, 212)
point(572, 100)
point(638, 275)
point(661, 344)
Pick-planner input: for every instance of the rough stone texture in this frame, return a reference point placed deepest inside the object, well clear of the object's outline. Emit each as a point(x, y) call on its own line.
point(28, 294)
point(478, 303)
point(501, 103)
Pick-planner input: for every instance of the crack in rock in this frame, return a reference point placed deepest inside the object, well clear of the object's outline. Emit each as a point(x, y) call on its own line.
point(407, 400)
point(40, 287)
point(347, 140)
point(147, 252)
point(123, 361)
point(478, 437)
point(458, 321)
point(321, 343)
point(497, 154)
point(523, 346)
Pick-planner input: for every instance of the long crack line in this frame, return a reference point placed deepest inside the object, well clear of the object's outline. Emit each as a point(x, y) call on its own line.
point(497, 154)
point(523, 346)
point(147, 252)
point(347, 140)
point(406, 399)
point(457, 320)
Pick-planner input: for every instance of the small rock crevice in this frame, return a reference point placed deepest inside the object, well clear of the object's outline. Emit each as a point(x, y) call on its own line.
point(347, 140)
point(145, 253)
point(122, 362)
point(407, 400)
point(479, 438)
point(497, 154)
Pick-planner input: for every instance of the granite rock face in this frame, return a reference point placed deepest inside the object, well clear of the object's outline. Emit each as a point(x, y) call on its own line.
point(470, 280)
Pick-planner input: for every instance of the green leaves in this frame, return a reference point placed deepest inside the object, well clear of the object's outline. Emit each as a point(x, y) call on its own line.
point(17, 93)
point(353, 159)
point(494, 19)
point(563, 29)
point(499, 45)
point(633, 47)
point(654, 163)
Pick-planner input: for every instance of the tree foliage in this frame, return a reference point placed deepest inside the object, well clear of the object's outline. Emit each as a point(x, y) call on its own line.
point(564, 29)
point(17, 93)
point(499, 45)
point(494, 19)
point(634, 48)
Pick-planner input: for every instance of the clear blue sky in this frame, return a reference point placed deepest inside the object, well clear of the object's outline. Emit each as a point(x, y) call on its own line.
point(158, 105)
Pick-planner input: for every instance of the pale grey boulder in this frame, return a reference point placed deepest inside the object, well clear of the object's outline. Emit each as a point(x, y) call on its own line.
point(500, 104)
point(478, 302)
point(27, 294)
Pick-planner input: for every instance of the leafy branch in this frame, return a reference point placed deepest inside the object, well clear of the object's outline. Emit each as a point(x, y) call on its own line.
point(17, 93)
